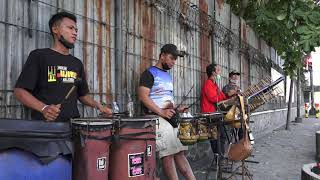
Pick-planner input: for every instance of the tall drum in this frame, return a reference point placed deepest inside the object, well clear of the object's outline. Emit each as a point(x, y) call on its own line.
point(133, 149)
point(92, 139)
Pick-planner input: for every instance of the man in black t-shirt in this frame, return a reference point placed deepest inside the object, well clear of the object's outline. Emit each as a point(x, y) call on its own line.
point(50, 73)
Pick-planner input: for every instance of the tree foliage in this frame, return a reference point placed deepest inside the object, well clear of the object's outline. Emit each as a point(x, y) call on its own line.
point(292, 27)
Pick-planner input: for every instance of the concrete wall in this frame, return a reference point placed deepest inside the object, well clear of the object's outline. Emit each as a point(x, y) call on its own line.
point(267, 121)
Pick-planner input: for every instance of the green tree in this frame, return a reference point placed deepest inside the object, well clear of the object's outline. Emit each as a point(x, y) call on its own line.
point(292, 27)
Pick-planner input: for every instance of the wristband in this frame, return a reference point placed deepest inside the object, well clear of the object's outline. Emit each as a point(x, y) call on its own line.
point(44, 107)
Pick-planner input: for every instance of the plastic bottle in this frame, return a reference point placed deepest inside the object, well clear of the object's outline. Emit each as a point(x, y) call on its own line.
point(115, 107)
point(130, 107)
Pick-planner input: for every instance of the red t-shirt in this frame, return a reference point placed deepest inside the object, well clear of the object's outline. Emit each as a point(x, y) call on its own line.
point(210, 94)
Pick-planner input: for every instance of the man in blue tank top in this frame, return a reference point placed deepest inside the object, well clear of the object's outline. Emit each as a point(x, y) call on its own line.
point(156, 94)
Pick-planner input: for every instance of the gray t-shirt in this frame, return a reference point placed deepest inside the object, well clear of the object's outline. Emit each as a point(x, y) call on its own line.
point(230, 87)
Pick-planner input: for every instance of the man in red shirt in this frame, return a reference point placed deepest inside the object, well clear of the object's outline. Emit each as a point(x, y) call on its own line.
point(210, 93)
point(210, 96)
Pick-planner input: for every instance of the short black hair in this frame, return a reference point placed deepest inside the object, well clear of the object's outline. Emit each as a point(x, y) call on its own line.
point(171, 49)
point(57, 18)
point(234, 73)
point(210, 68)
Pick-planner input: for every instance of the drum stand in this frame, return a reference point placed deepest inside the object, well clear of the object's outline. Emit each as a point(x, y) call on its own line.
point(244, 171)
point(216, 162)
point(243, 167)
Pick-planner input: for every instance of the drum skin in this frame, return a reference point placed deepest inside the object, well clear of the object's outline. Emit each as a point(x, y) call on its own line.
point(91, 156)
point(133, 155)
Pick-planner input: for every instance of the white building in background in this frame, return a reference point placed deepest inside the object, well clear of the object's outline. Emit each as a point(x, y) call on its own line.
point(315, 56)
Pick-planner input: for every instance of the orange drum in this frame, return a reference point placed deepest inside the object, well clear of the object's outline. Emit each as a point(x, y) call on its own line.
point(133, 149)
point(92, 139)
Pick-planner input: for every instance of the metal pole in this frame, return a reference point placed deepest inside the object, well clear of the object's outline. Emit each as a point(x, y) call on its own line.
point(118, 49)
point(298, 118)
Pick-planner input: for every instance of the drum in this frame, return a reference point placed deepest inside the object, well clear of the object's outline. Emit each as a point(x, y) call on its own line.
point(188, 133)
point(133, 150)
point(212, 131)
point(34, 150)
point(203, 129)
point(208, 124)
point(92, 140)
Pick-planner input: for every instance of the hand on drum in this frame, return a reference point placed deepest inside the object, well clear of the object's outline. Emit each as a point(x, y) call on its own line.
point(167, 113)
point(183, 108)
point(51, 112)
point(105, 110)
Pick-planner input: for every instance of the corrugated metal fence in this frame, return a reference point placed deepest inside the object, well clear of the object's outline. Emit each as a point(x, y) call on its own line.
point(119, 39)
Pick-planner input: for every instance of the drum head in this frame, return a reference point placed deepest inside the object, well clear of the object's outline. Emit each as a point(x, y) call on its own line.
point(133, 119)
point(91, 122)
point(209, 115)
point(186, 119)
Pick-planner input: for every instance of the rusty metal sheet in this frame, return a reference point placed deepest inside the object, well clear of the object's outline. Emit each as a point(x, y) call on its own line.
point(235, 20)
point(265, 49)
point(252, 38)
point(205, 43)
point(273, 55)
point(146, 26)
point(223, 13)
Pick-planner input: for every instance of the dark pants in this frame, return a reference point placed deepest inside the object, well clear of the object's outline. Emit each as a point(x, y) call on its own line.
point(223, 141)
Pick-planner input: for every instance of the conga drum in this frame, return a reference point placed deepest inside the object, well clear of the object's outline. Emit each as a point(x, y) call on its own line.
point(188, 133)
point(92, 139)
point(133, 149)
point(35, 149)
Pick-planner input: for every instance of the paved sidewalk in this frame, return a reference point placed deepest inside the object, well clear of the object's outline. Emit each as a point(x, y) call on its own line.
point(280, 154)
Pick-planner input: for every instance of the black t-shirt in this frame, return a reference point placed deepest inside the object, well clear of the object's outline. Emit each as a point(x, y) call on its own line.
point(146, 79)
point(49, 75)
point(228, 88)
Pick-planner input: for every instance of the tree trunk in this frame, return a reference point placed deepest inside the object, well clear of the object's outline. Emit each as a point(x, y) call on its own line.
point(244, 4)
point(298, 82)
point(289, 104)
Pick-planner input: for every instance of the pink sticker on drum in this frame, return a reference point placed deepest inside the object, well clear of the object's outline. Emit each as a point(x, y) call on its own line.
point(136, 164)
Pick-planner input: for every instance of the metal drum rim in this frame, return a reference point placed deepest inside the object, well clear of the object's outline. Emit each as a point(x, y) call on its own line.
point(91, 121)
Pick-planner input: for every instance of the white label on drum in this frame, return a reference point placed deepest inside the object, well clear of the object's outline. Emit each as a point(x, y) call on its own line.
point(149, 150)
point(101, 163)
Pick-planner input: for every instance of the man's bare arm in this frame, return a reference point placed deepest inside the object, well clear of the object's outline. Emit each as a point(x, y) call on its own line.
point(50, 112)
point(89, 101)
point(143, 93)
